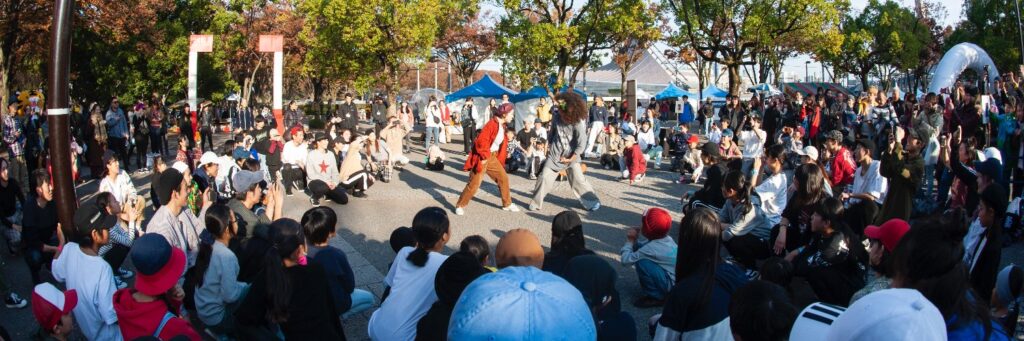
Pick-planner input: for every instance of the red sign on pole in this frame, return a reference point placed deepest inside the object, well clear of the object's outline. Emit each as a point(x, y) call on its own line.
point(271, 43)
point(200, 43)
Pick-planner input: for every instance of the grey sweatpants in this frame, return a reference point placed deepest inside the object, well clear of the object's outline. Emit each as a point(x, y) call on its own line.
point(580, 187)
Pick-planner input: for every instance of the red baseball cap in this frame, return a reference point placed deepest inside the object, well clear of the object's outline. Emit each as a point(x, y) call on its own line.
point(889, 233)
point(49, 304)
point(693, 139)
point(655, 223)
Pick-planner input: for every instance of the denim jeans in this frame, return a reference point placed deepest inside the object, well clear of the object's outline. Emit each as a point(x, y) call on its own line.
point(654, 153)
point(36, 258)
point(929, 180)
point(432, 134)
point(653, 279)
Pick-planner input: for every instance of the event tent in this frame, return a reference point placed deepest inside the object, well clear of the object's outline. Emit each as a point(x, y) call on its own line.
point(540, 92)
point(713, 92)
point(485, 87)
point(672, 91)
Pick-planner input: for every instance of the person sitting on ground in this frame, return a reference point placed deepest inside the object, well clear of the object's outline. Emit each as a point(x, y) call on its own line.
point(352, 174)
point(411, 278)
point(653, 256)
point(832, 262)
point(41, 234)
point(478, 246)
point(122, 235)
point(728, 148)
point(457, 272)
point(546, 306)
point(869, 187)
point(214, 279)
point(293, 158)
point(393, 135)
point(698, 305)
point(154, 306)
point(294, 297)
point(794, 228)
point(745, 232)
point(690, 164)
point(883, 240)
point(930, 259)
point(80, 268)
point(320, 224)
point(893, 314)
point(633, 159)
point(614, 146)
point(52, 309)
point(679, 144)
point(1005, 300)
point(515, 151)
point(648, 140)
point(779, 271)
point(249, 191)
point(715, 132)
point(435, 158)
point(709, 196)
point(761, 310)
point(321, 175)
point(595, 279)
point(567, 241)
point(206, 172)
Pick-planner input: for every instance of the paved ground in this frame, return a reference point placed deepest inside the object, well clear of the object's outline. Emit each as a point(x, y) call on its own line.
point(366, 224)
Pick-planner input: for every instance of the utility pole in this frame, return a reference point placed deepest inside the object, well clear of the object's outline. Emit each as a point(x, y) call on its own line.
point(57, 111)
point(1020, 32)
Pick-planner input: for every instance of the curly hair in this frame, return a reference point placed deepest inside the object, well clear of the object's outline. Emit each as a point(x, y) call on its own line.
point(575, 109)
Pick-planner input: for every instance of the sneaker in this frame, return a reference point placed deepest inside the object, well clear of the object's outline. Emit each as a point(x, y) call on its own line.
point(595, 207)
point(534, 208)
point(120, 283)
point(511, 208)
point(533, 177)
point(359, 194)
point(315, 202)
point(648, 302)
point(460, 211)
point(13, 301)
point(752, 274)
point(125, 273)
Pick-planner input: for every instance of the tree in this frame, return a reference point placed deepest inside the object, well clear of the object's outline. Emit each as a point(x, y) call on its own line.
point(992, 25)
point(699, 66)
point(24, 28)
point(465, 46)
point(882, 35)
point(734, 32)
point(630, 38)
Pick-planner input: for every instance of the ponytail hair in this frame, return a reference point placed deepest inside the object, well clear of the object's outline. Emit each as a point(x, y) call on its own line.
point(737, 181)
point(285, 237)
point(218, 222)
point(429, 226)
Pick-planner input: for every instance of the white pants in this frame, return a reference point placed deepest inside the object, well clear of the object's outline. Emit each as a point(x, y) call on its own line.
point(595, 130)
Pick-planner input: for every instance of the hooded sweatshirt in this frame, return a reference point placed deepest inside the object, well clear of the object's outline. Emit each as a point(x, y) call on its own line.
point(138, 319)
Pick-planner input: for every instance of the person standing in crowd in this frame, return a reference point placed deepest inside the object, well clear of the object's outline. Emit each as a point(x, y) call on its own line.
point(117, 127)
point(156, 129)
point(753, 144)
point(408, 121)
point(12, 203)
point(140, 134)
point(81, 268)
point(411, 279)
point(432, 117)
point(567, 241)
point(867, 194)
point(469, 117)
point(206, 122)
point(903, 167)
point(41, 234)
point(488, 156)
point(652, 252)
point(294, 117)
point(544, 111)
point(698, 304)
point(322, 174)
point(186, 126)
point(566, 144)
point(294, 160)
point(598, 118)
point(15, 142)
point(349, 113)
point(379, 112)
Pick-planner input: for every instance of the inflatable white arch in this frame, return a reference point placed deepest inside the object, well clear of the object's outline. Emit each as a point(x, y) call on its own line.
point(958, 59)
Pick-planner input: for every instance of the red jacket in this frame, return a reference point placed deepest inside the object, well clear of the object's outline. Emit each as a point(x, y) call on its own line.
point(137, 319)
point(635, 161)
point(482, 147)
point(843, 167)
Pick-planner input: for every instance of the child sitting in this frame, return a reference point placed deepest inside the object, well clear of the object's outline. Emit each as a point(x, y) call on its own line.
point(80, 267)
point(52, 309)
point(653, 255)
point(320, 224)
point(478, 247)
point(691, 165)
point(435, 158)
point(633, 158)
point(516, 153)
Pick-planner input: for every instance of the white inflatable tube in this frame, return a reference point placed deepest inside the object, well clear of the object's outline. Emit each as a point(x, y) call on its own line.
point(956, 60)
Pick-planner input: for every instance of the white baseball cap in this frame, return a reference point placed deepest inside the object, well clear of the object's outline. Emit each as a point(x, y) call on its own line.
point(207, 158)
point(809, 151)
point(891, 315)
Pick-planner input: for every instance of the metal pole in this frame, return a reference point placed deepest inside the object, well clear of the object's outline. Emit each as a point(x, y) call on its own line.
point(435, 75)
point(1020, 32)
point(57, 111)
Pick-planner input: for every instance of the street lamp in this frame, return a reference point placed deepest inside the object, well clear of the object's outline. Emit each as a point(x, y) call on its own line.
point(807, 78)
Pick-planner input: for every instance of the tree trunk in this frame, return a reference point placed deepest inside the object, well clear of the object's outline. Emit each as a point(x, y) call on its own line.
point(863, 81)
point(734, 78)
point(622, 85)
point(318, 93)
point(5, 80)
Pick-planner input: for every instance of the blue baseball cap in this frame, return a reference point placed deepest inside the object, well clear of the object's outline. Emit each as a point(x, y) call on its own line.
point(727, 132)
point(240, 153)
point(521, 303)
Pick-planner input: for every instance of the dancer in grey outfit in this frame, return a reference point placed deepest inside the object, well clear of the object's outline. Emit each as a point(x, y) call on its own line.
point(567, 142)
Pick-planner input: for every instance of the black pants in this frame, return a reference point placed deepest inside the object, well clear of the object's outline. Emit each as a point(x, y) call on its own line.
point(468, 135)
point(318, 189)
point(206, 134)
point(120, 148)
point(115, 257)
point(747, 249)
point(794, 239)
point(859, 215)
point(293, 176)
point(156, 140)
point(141, 147)
point(359, 181)
point(35, 258)
point(834, 285)
point(273, 172)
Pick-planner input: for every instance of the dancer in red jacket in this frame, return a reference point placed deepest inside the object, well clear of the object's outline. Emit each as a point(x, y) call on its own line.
point(488, 156)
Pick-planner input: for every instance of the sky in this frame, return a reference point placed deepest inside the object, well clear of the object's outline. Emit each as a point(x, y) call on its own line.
point(794, 67)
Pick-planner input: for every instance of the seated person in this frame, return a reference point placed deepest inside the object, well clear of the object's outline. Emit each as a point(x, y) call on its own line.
point(635, 161)
point(612, 157)
point(690, 164)
point(652, 255)
point(435, 158)
point(679, 144)
point(833, 268)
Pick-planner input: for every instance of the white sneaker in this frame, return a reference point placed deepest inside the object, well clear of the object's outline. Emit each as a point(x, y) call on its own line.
point(460, 211)
point(511, 208)
point(595, 207)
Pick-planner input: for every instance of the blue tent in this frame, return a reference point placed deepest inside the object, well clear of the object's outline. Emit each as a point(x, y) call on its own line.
point(714, 92)
point(485, 87)
point(672, 91)
point(539, 92)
